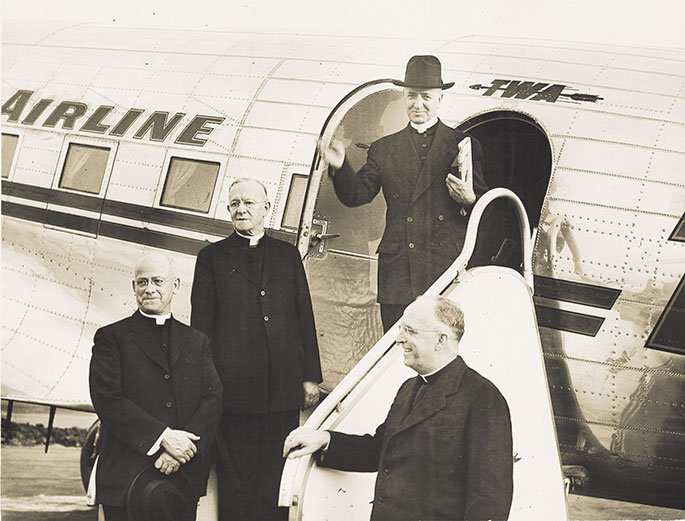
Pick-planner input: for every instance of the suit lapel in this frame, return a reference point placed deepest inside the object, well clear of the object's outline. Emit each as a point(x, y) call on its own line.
point(179, 340)
point(436, 154)
point(147, 339)
point(238, 258)
point(271, 260)
point(432, 401)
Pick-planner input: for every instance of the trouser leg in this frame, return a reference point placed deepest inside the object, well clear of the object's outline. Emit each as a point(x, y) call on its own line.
point(238, 477)
point(391, 313)
point(278, 426)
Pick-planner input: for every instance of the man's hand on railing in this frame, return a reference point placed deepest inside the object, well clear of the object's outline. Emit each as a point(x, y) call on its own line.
point(303, 441)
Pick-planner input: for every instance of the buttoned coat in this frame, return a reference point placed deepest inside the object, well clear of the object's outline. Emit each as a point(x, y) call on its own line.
point(137, 393)
point(262, 330)
point(447, 458)
point(424, 226)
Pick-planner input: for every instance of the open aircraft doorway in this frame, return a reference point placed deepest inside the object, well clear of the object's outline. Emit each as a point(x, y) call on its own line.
point(340, 258)
point(517, 155)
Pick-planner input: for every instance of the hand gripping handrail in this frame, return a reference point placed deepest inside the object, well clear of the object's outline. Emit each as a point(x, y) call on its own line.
point(294, 471)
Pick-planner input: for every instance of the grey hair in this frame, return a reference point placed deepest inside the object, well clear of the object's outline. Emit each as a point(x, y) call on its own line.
point(249, 180)
point(450, 314)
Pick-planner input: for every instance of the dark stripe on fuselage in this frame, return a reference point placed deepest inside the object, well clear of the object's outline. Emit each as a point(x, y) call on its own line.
point(568, 320)
point(152, 238)
point(71, 221)
point(678, 233)
point(124, 232)
point(576, 292)
point(28, 213)
point(83, 202)
point(669, 331)
point(35, 193)
point(195, 223)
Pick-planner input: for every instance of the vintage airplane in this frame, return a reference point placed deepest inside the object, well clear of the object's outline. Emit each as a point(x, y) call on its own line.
point(116, 140)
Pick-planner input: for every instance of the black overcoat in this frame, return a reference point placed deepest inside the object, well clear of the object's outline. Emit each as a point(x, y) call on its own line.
point(450, 458)
point(262, 331)
point(136, 395)
point(424, 226)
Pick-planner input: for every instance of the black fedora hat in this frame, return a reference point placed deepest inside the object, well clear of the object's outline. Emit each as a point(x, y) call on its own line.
point(153, 495)
point(423, 72)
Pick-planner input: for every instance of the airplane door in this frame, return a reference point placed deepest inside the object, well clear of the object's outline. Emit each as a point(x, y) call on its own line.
point(339, 243)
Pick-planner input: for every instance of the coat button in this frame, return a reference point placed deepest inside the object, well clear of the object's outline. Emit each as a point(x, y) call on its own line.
point(262, 293)
point(167, 376)
point(386, 471)
point(441, 217)
point(395, 196)
point(411, 245)
point(410, 219)
point(266, 318)
point(443, 243)
point(424, 145)
point(423, 158)
point(168, 404)
point(379, 500)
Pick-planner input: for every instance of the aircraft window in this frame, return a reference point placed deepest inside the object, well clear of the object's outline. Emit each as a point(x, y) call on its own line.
point(293, 206)
point(9, 147)
point(84, 168)
point(190, 184)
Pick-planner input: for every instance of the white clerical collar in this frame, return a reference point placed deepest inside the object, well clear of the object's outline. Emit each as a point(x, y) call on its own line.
point(254, 239)
point(422, 127)
point(425, 376)
point(159, 319)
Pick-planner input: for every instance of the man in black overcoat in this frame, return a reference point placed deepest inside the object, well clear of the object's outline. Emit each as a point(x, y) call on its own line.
point(445, 448)
point(427, 201)
point(250, 295)
point(156, 392)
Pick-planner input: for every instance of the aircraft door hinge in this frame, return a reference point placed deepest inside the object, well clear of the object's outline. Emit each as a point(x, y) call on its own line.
point(319, 238)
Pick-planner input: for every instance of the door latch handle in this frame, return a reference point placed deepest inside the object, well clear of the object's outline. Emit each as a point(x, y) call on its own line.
point(324, 236)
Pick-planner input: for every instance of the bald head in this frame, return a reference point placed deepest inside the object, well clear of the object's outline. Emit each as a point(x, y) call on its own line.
point(155, 260)
point(155, 283)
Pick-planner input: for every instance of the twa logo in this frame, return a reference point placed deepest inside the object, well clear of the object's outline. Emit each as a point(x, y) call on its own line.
point(535, 91)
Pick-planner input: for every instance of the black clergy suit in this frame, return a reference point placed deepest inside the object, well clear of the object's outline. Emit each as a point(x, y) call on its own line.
point(144, 378)
point(424, 228)
point(443, 455)
point(254, 304)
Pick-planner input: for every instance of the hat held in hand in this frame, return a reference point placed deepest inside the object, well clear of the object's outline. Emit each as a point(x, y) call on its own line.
point(153, 495)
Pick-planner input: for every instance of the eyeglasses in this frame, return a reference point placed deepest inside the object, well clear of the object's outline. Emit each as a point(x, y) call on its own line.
point(156, 281)
point(234, 205)
point(410, 331)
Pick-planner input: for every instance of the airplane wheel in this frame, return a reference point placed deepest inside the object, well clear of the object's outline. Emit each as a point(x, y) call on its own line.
point(89, 451)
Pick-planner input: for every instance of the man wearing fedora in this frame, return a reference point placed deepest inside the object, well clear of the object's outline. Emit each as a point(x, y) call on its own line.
point(427, 202)
point(159, 399)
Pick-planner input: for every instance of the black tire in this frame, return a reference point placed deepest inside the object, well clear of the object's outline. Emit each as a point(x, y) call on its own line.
point(89, 451)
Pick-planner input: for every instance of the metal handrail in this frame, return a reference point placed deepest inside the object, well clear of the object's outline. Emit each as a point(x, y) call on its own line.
point(374, 355)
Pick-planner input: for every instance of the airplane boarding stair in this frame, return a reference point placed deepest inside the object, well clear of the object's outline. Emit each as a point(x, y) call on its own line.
point(501, 342)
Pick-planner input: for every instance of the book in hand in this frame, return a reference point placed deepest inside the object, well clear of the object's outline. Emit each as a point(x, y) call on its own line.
point(464, 164)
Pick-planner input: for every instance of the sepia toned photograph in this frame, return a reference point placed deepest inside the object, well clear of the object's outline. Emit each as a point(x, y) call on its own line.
point(384, 261)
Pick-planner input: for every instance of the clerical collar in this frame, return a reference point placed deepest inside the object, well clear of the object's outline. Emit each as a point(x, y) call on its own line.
point(254, 239)
point(159, 319)
point(423, 127)
point(425, 377)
